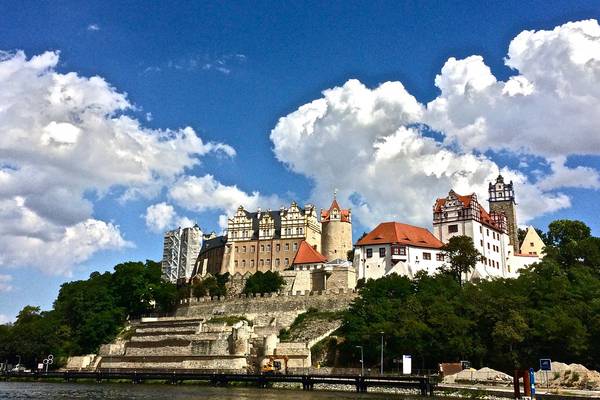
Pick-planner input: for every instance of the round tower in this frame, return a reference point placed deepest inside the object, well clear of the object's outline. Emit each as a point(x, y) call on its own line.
point(336, 231)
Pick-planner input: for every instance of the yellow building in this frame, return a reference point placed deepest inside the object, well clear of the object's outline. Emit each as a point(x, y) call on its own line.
point(532, 244)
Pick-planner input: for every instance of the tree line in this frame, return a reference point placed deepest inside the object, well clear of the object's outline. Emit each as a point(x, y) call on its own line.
point(87, 313)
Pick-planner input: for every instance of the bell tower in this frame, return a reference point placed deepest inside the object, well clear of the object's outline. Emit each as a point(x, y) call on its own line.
point(502, 201)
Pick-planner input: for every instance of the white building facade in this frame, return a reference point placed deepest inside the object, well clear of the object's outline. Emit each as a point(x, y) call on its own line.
point(456, 215)
point(393, 247)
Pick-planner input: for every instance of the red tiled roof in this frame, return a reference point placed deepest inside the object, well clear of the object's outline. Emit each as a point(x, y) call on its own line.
point(344, 214)
point(306, 254)
point(397, 233)
point(466, 200)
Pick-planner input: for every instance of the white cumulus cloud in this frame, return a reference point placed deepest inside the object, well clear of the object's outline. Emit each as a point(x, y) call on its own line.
point(367, 142)
point(550, 108)
point(65, 136)
point(205, 193)
point(162, 216)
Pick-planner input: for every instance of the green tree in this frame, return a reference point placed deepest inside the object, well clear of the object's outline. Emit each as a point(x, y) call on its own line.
point(264, 282)
point(461, 257)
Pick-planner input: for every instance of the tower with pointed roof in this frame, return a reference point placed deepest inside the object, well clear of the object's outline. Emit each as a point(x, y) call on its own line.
point(336, 231)
point(502, 201)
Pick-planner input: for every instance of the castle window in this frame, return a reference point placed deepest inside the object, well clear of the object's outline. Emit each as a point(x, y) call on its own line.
point(243, 263)
point(245, 234)
point(295, 246)
point(268, 247)
point(236, 263)
point(252, 263)
point(488, 232)
point(481, 242)
point(382, 252)
point(277, 262)
point(262, 247)
point(480, 229)
point(236, 249)
point(252, 249)
point(262, 263)
point(301, 231)
point(268, 262)
point(452, 228)
point(488, 245)
point(287, 262)
point(369, 253)
point(531, 244)
point(426, 256)
point(243, 249)
point(278, 247)
point(439, 257)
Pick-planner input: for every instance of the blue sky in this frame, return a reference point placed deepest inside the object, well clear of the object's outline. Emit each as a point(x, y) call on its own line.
point(237, 75)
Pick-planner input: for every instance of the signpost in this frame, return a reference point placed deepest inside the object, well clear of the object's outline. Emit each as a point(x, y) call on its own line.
point(546, 365)
point(406, 364)
point(532, 382)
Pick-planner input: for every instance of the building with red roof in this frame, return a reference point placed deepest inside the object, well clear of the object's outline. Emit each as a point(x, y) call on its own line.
point(394, 247)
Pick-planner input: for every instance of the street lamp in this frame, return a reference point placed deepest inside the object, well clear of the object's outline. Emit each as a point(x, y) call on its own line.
point(381, 366)
point(362, 361)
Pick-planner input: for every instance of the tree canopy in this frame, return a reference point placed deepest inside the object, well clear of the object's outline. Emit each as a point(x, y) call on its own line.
point(264, 282)
point(461, 257)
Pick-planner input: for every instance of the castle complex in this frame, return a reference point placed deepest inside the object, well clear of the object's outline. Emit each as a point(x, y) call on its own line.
point(309, 248)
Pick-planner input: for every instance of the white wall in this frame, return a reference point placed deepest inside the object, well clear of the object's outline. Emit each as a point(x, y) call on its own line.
point(376, 267)
point(497, 253)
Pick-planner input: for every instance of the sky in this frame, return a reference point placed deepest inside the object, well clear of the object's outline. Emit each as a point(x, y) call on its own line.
point(119, 120)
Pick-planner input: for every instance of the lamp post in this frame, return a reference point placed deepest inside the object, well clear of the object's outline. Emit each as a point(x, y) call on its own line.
point(362, 361)
point(381, 366)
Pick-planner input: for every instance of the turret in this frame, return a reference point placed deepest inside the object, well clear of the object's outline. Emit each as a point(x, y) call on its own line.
point(336, 226)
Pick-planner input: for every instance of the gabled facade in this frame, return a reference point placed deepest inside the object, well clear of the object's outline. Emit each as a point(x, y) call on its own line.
point(393, 247)
point(456, 215)
point(268, 240)
point(532, 243)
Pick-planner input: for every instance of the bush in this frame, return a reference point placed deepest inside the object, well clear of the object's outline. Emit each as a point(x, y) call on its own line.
point(211, 286)
point(264, 282)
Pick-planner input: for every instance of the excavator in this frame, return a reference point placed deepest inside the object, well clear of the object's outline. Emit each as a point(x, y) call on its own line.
point(273, 366)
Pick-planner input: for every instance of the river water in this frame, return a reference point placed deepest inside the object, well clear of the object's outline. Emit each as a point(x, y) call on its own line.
point(114, 391)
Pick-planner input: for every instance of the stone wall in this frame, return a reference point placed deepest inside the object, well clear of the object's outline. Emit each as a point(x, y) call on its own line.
point(275, 309)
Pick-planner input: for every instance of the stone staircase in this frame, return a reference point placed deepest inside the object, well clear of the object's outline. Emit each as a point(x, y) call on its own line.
point(179, 344)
